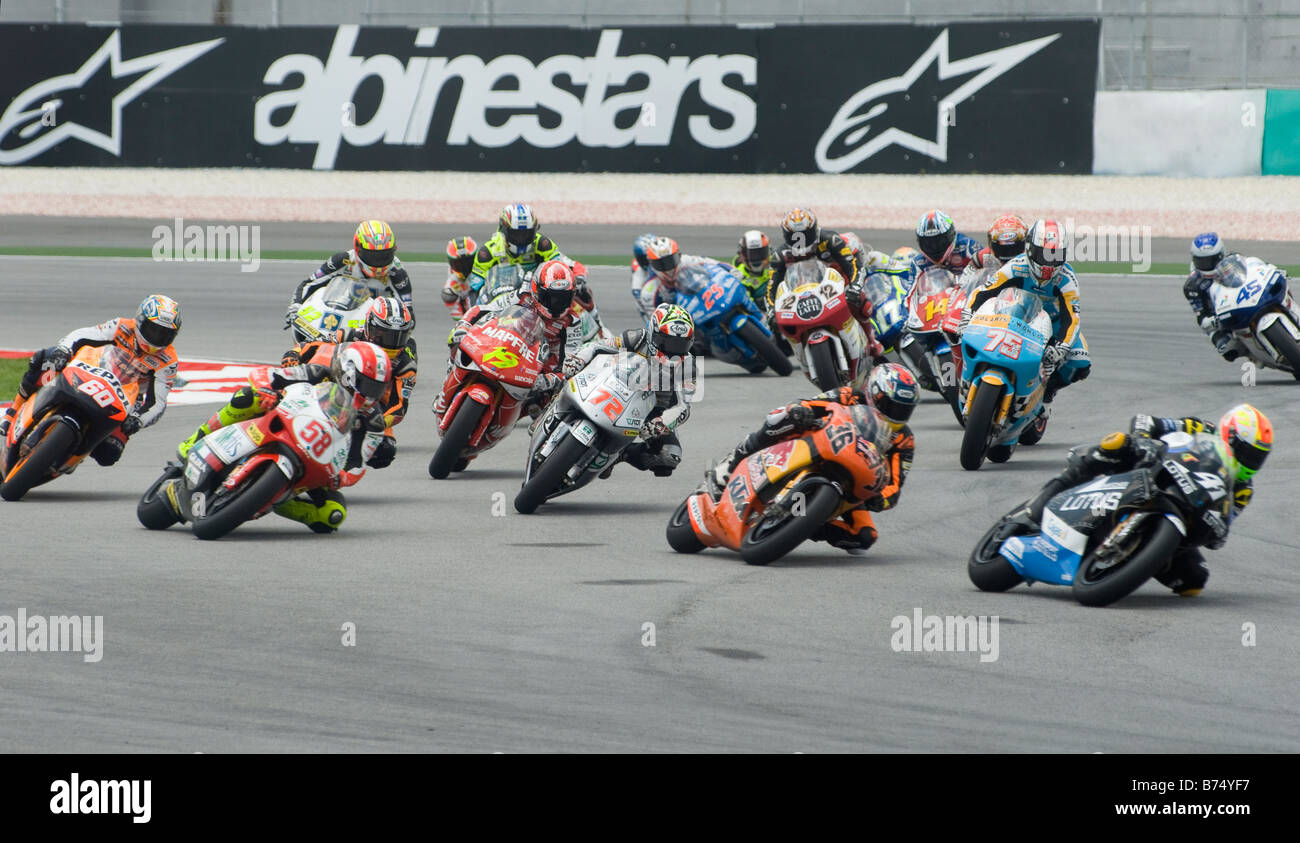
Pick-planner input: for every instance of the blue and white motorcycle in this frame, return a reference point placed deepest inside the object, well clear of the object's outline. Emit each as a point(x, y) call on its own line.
point(1106, 537)
point(1252, 300)
point(724, 313)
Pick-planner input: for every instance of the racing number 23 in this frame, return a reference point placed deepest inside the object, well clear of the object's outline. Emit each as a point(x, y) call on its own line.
point(314, 434)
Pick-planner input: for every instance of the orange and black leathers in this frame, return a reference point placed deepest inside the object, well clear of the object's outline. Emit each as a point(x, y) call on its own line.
point(831, 249)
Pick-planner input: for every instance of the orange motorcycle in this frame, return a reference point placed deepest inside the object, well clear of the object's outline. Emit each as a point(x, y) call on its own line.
point(780, 496)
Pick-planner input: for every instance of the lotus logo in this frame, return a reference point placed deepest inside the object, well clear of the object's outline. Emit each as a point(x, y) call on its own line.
point(864, 125)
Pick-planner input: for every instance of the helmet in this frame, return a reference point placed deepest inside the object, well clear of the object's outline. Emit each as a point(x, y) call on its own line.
point(1007, 237)
point(1245, 438)
point(1207, 251)
point(639, 246)
point(800, 230)
point(460, 255)
point(755, 251)
point(553, 286)
point(389, 324)
point(664, 258)
point(904, 254)
point(157, 322)
point(935, 235)
point(874, 260)
point(671, 330)
point(518, 224)
point(375, 245)
point(1047, 248)
point(893, 392)
point(363, 369)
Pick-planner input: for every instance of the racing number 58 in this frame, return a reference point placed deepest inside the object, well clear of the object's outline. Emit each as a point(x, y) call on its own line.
point(314, 434)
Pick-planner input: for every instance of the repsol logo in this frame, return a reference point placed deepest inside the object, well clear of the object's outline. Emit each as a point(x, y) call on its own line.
point(320, 109)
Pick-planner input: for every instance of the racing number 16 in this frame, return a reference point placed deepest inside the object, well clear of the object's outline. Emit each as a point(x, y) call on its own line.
point(314, 432)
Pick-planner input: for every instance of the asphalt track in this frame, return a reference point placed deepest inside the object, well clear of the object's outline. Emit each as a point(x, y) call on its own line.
point(481, 632)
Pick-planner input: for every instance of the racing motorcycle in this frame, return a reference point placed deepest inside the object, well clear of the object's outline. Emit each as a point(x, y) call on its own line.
point(1252, 300)
point(67, 418)
point(923, 346)
point(1002, 381)
point(340, 304)
point(1106, 537)
point(781, 496)
point(888, 296)
point(238, 473)
point(585, 429)
point(724, 313)
point(812, 313)
point(498, 360)
point(972, 278)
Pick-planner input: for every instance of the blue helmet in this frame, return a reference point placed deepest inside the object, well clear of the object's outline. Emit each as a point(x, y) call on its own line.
point(1207, 251)
point(639, 246)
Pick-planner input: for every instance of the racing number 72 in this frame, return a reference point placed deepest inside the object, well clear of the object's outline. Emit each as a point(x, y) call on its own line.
point(613, 407)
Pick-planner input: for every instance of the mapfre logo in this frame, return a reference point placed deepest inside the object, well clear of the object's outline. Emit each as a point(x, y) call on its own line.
point(320, 111)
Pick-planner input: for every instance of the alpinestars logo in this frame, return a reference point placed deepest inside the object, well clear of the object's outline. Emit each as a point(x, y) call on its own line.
point(862, 126)
point(37, 108)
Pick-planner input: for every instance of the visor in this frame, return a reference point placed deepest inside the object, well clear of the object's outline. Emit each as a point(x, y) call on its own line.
point(1042, 257)
point(369, 387)
point(1006, 251)
point(754, 258)
point(936, 246)
point(376, 257)
point(1205, 263)
point(1248, 455)
point(673, 346)
point(520, 236)
point(667, 263)
point(155, 334)
point(893, 410)
point(388, 338)
point(555, 301)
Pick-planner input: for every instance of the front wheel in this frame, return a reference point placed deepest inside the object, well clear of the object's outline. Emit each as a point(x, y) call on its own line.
point(456, 439)
point(765, 347)
point(777, 533)
point(825, 373)
point(979, 425)
point(546, 479)
point(46, 456)
point(242, 503)
point(987, 568)
point(1100, 582)
point(153, 511)
point(1281, 339)
point(681, 535)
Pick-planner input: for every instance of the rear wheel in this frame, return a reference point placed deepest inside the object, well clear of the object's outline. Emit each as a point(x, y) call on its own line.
point(48, 454)
point(826, 371)
point(242, 502)
point(154, 511)
point(547, 478)
point(681, 535)
point(456, 439)
point(987, 568)
point(979, 424)
point(778, 532)
point(1102, 581)
point(1286, 345)
point(765, 347)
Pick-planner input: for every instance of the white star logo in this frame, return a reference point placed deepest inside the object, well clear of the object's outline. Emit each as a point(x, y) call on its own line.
point(26, 110)
point(850, 128)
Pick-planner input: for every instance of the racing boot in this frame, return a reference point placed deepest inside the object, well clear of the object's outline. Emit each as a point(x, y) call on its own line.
point(1033, 432)
point(322, 511)
point(854, 532)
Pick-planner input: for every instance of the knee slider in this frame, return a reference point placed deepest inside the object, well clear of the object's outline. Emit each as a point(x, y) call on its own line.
point(243, 398)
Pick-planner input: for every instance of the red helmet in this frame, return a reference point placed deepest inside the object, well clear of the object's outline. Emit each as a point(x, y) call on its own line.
point(553, 286)
point(664, 258)
point(389, 324)
point(460, 255)
point(1047, 245)
point(1007, 237)
point(364, 370)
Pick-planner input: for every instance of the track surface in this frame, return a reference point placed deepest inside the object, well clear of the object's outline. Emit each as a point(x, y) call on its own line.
point(524, 633)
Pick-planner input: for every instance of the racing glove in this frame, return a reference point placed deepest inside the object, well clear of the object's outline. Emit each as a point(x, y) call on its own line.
point(58, 357)
point(130, 425)
point(291, 313)
point(546, 382)
point(801, 417)
point(857, 298)
point(1053, 357)
point(384, 453)
point(965, 320)
point(654, 429)
point(1209, 324)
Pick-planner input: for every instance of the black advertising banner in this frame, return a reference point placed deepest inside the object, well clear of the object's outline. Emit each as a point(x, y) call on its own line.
point(980, 97)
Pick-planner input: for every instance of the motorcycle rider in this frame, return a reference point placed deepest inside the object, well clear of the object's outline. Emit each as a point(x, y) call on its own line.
point(1043, 271)
point(372, 260)
point(550, 294)
point(891, 390)
point(1006, 241)
point(1243, 438)
point(146, 340)
point(753, 262)
point(365, 372)
point(666, 343)
point(460, 262)
point(517, 242)
point(1205, 269)
point(941, 245)
point(640, 265)
point(805, 240)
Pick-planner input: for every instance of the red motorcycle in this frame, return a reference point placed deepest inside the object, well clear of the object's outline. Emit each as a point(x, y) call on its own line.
point(924, 348)
point(494, 367)
point(239, 472)
point(813, 315)
point(958, 297)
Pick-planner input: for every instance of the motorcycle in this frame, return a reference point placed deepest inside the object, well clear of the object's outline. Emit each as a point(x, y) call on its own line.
point(888, 295)
point(781, 496)
point(724, 313)
point(592, 420)
point(1002, 380)
point(972, 278)
point(923, 346)
point(66, 419)
point(812, 313)
point(340, 304)
point(498, 362)
point(1106, 537)
point(238, 473)
point(1252, 300)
